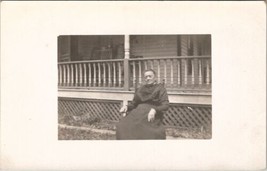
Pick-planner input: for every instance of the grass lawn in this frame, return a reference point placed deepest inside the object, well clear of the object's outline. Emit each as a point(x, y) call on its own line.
point(79, 134)
point(95, 129)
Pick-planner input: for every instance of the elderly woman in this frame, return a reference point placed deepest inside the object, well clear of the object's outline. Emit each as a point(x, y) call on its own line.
point(143, 117)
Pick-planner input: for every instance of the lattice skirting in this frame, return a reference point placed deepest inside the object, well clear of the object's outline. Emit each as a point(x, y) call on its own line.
point(178, 115)
point(103, 109)
point(188, 115)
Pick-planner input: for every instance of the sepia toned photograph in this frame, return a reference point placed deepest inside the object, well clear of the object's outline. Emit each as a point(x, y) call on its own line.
point(162, 85)
point(134, 87)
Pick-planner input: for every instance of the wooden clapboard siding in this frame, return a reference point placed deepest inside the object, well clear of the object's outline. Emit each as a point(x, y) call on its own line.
point(153, 45)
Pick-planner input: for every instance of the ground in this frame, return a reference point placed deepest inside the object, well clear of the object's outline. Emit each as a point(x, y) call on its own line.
point(77, 134)
point(90, 128)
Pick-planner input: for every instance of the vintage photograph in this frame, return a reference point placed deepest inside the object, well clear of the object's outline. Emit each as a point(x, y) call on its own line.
point(162, 85)
point(134, 87)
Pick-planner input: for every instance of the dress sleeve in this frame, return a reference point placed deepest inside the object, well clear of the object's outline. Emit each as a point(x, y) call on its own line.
point(163, 101)
point(134, 103)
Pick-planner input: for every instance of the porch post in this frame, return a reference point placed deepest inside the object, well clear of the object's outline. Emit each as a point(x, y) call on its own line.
point(184, 62)
point(126, 47)
point(126, 75)
point(195, 61)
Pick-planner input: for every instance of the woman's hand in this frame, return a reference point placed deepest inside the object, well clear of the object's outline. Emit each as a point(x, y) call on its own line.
point(151, 115)
point(124, 110)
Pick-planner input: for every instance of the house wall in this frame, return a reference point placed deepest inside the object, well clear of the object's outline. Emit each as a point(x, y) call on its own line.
point(80, 47)
point(169, 45)
point(88, 43)
point(153, 45)
point(64, 48)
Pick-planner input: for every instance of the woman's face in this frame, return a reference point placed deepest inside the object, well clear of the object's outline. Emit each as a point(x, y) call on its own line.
point(149, 77)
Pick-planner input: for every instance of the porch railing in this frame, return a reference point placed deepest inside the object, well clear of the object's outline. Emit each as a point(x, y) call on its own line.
point(177, 73)
point(95, 74)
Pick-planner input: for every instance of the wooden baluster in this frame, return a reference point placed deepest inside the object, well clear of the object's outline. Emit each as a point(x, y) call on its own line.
point(200, 72)
point(109, 75)
point(179, 71)
point(76, 75)
point(63, 75)
point(193, 71)
point(185, 71)
point(158, 71)
point(172, 61)
point(208, 72)
point(145, 65)
point(81, 74)
point(114, 75)
point(72, 74)
point(60, 74)
point(134, 77)
point(119, 74)
point(85, 74)
point(104, 74)
point(68, 75)
point(99, 75)
point(89, 74)
point(94, 67)
point(165, 72)
point(139, 72)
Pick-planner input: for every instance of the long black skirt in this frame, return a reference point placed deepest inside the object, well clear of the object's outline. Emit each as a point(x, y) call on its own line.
point(135, 125)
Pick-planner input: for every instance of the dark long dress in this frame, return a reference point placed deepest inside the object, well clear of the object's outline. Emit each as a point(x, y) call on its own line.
point(135, 125)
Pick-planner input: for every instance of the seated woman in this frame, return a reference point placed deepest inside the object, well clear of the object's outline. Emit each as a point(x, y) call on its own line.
point(145, 113)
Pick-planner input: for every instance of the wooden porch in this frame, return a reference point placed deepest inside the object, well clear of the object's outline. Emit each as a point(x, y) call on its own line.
point(94, 81)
